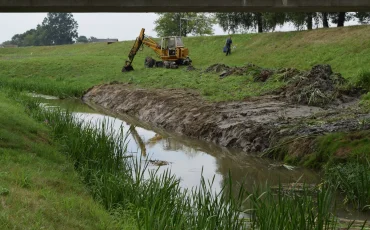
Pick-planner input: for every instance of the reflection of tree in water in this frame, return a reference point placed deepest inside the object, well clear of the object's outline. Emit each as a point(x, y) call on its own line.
point(171, 144)
point(174, 145)
point(247, 170)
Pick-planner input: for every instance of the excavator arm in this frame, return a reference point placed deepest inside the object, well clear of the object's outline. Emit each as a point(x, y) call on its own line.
point(142, 39)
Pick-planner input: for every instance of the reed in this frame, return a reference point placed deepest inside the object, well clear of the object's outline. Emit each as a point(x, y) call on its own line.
point(353, 180)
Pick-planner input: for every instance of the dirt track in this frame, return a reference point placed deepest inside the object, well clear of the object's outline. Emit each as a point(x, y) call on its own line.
point(251, 125)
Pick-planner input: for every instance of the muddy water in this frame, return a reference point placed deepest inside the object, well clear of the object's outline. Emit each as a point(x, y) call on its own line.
point(187, 158)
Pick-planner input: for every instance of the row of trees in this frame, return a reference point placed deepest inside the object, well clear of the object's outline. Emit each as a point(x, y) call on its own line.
point(201, 23)
point(61, 28)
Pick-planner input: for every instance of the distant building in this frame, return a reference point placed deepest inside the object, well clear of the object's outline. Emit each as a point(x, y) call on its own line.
point(108, 40)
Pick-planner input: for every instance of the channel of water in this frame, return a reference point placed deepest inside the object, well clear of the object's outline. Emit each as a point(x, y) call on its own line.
point(188, 158)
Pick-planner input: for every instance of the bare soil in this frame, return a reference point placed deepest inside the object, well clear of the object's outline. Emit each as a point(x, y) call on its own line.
point(252, 125)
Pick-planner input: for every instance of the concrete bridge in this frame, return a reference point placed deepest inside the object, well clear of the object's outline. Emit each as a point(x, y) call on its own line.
point(183, 5)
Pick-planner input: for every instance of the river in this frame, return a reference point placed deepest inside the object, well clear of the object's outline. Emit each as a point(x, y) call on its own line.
point(188, 158)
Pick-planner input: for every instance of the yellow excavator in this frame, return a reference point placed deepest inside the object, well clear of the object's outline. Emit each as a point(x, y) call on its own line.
point(171, 50)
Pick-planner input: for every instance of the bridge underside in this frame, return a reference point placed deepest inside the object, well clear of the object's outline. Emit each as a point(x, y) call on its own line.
point(184, 5)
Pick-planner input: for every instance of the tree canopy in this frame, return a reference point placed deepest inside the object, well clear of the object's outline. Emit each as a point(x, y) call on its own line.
point(265, 22)
point(246, 21)
point(56, 29)
point(363, 17)
point(170, 24)
point(82, 39)
point(61, 28)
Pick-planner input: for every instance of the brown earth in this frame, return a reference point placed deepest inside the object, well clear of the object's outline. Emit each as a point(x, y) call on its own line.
point(252, 125)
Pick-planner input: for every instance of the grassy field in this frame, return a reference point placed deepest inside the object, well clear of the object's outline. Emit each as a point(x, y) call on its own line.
point(71, 69)
point(39, 188)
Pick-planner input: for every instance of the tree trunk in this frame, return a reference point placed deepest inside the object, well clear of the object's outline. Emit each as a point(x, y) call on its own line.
point(259, 22)
point(325, 21)
point(309, 21)
point(341, 19)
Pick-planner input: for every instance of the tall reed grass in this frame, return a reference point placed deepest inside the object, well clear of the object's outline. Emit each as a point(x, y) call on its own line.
point(353, 179)
point(289, 209)
point(156, 200)
point(119, 182)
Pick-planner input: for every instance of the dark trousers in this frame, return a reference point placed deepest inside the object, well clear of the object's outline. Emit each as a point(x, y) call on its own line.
point(228, 51)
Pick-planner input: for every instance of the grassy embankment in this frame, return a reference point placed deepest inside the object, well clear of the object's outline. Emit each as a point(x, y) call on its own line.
point(39, 188)
point(69, 70)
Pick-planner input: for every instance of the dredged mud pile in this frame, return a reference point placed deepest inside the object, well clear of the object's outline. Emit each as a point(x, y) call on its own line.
point(319, 86)
point(252, 125)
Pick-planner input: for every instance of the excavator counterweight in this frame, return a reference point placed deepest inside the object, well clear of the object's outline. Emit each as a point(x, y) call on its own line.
point(171, 50)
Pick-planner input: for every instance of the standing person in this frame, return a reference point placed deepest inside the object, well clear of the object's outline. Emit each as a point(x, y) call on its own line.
point(228, 45)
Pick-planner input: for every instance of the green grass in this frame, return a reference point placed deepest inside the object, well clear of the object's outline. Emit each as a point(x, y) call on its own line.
point(343, 158)
point(321, 151)
point(70, 69)
point(39, 188)
point(289, 209)
point(353, 179)
point(118, 183)
point(365, 102)
point(32, 168)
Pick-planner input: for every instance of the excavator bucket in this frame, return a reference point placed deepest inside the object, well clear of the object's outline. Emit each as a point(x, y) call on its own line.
point(128, 67)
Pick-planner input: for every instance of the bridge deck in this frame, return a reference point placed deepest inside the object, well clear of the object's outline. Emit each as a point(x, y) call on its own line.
point(183, 6)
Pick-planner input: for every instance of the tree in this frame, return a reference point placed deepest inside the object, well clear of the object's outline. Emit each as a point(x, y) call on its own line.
point(7, 43)
point(168, 24)
point(325, 19)
point(303, 19)
point(363, 17)
point(340, 18)
point(56, 29)
point(246, 21)
point(271, 20)
point(32, 37)
point(82, 39)
point(92, 39)
point(60, 28)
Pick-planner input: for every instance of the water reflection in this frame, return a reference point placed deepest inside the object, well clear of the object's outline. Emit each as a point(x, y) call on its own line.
point(188, 158)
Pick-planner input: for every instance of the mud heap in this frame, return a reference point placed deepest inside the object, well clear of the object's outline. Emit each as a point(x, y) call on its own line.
point(318, 87)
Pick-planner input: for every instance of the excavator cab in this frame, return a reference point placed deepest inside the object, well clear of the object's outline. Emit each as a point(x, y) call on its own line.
point(169, 46)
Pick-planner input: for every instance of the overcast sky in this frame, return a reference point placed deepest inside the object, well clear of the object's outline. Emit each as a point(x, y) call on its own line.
point(124, 26)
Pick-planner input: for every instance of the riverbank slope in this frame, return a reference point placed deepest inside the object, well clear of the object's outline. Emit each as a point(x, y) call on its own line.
point(39, 187)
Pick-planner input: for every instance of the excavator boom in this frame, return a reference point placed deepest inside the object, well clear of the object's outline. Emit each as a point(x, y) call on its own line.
point(138, 43)
point(142, 39)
